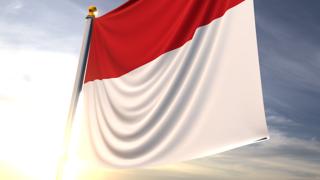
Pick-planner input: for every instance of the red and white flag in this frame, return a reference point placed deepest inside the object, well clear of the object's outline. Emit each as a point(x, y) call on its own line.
point(168, 81)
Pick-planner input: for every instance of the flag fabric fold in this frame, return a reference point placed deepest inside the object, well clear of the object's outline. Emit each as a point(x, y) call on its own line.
point(169, 81)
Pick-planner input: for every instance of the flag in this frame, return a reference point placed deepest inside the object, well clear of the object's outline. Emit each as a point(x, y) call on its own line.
point(169, 81)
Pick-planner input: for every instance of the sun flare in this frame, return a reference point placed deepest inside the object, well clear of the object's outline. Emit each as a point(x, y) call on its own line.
point(34, 100)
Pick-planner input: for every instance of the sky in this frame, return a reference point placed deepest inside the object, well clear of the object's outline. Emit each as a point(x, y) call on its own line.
point(39, 47)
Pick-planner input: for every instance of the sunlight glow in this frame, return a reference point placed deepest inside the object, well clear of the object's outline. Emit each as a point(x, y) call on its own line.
point(34, 100)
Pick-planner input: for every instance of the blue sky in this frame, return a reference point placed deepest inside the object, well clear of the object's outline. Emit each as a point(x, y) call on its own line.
point(39, 46)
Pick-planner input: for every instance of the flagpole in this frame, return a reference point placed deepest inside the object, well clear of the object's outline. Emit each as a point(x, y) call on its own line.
point(76, 89)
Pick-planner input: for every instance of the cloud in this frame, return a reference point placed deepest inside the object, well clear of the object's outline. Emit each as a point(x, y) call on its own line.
point(13, 7)
point(43, 25)
point(276, 119)
point(289, 41)
point(46, 25)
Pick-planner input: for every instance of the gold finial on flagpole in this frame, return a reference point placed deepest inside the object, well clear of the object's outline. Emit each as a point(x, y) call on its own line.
point(93, 11)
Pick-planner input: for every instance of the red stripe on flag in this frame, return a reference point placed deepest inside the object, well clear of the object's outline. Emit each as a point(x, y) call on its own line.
point(141, 30)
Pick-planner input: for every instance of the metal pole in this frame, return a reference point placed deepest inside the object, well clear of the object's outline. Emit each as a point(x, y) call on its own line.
point(76, 89)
